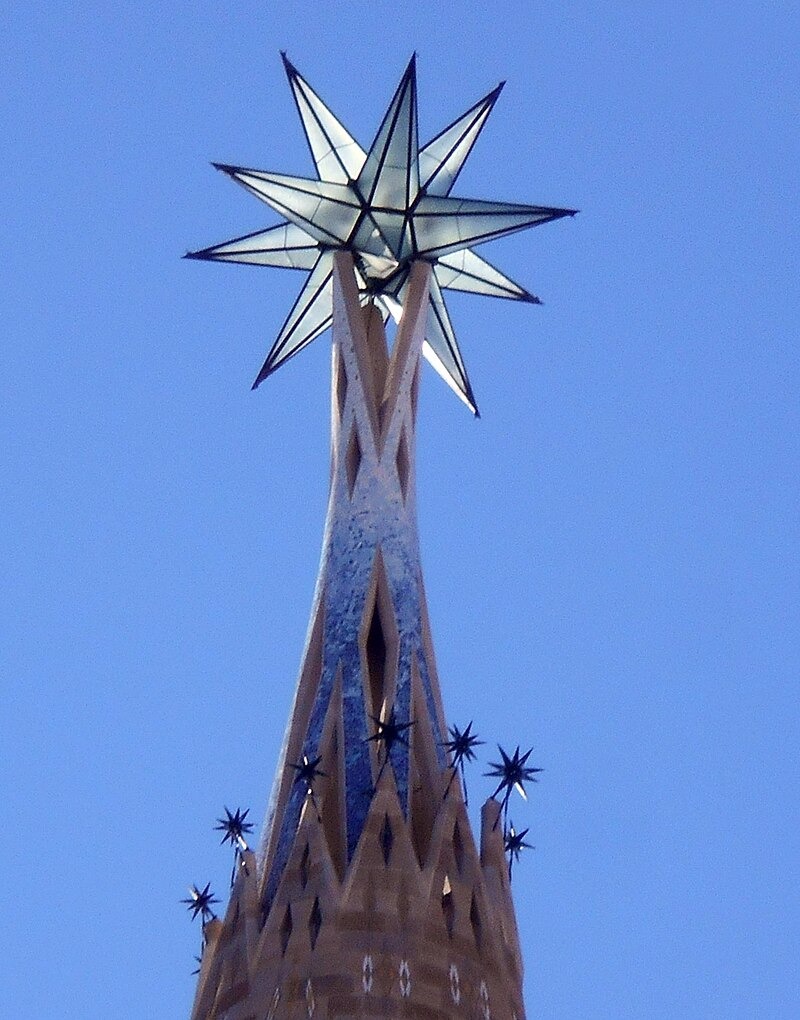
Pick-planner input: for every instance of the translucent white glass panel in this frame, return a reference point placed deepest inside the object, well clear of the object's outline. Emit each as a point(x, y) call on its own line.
point(441, 160)
point(443, 351)
point(311, 315)
point(326, 210)
point(444, 225)
point(375, 267)
point(464, 270)
point(370, 240)
point(337, 155)
point(392, 227)
point(390, 177)
point(285, 246)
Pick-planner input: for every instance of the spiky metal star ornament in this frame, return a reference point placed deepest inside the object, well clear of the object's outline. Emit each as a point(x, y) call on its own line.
point(513, 773)
point(389, 206)
point(234, 827)
point(307, 772)
point(389, 732)
point(461, 746)
point(514, 843)
point(200, 901)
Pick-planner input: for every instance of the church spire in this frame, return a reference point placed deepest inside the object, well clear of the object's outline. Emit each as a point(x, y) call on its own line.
point(370, 897)
point(368, 658)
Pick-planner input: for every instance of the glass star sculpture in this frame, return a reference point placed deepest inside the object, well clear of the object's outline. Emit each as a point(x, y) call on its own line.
point(388, 206)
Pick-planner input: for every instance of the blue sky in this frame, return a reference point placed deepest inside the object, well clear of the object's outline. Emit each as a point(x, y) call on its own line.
point(610, 553)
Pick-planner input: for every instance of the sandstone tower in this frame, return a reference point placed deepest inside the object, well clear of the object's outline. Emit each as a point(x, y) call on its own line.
point(370, 897)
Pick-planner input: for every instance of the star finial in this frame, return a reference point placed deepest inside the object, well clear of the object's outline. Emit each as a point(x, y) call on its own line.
point(234, 827)
point(200, 901)
point(307, 772)
point(514, 843)
point(513, 773)
point(461, 746)
point(390, 206)
point(389, 732)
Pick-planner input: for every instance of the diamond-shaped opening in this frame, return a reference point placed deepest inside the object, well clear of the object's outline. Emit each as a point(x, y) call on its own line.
point(304, 867)
point(458, 848)
point(286, 929)
point(475, 921)
point(415, 393)
point(403, 463)
point(448, 907)
point(314, 922)
point(376, 660)
point(341, 383)
point(378, 641)
point(352, 460)
point(386, 839)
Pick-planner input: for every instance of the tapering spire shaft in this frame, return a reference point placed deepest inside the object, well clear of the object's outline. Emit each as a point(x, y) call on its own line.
point(368, 652)
point(370, 897)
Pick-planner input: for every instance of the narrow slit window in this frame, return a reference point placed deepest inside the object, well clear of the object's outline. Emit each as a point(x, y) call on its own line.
point(475, 921)
point(286, 929)
point(386, 838)
point(448, 907)
point(314, 922)
point(376, 661)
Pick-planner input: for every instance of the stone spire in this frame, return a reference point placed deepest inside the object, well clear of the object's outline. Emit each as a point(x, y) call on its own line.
point(369, 897)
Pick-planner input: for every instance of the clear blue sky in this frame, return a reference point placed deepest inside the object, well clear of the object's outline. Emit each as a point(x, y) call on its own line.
point(610, 553)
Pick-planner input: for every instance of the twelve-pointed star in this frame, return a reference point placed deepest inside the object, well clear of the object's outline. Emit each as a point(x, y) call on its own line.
point(389, 206)
point(200, 901)
point(390, 732)
point(513, 772)
point(307, 771)
point(514, 842)
point(234, 826)
point(461, 744)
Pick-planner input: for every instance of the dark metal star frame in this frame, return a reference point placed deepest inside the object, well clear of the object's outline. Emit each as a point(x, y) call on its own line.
point(388, 732)
point(514, 843)
point(234, 827)
point(461, 745)
point(307, 773)
point(513, 772)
